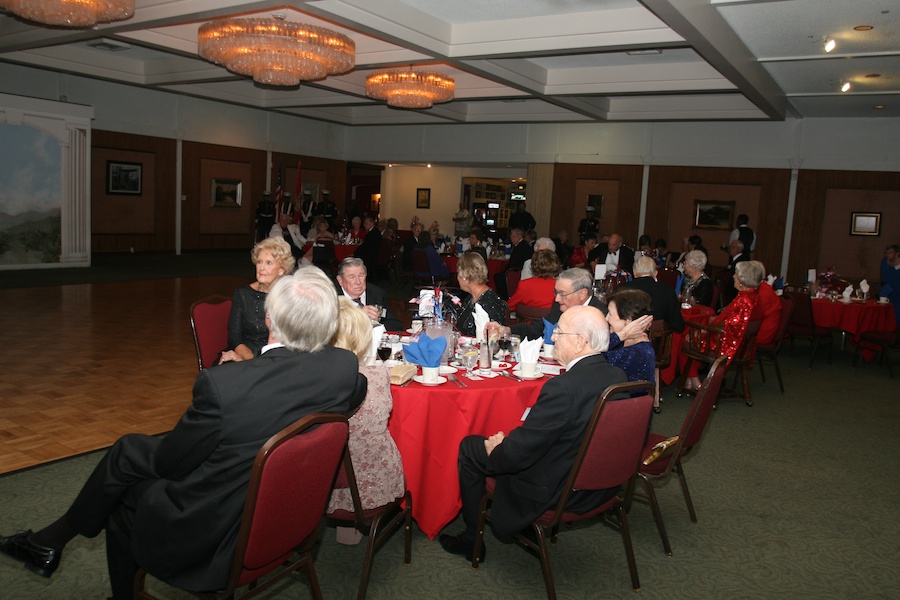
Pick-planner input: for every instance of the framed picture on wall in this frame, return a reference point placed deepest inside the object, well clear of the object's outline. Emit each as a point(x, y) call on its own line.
point(596, 200)
point(714, 214)
point(423, 197)
point(123, 178)
point(865, 223)
point(226, 193)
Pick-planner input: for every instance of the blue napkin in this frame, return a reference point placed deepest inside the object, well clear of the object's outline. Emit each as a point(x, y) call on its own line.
point(548, 331)
point(678, 285)
point(779, 284)
point(426, 352)
point(885, 291)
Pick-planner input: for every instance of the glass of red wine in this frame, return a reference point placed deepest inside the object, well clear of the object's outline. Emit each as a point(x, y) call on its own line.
point(504, 343)
point(384, 352)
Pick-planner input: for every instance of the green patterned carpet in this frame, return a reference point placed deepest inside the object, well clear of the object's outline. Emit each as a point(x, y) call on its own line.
point(795, 497)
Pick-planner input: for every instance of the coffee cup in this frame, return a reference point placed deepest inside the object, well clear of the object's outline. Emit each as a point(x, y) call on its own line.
point(529, 369)
point(430, 374)
point(416, 326)
point(548, 350)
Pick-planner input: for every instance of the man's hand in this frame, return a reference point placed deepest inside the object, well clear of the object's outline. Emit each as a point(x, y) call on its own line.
point(493, 441)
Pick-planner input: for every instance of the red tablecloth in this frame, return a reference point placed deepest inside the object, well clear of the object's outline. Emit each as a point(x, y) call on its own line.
point(494, 265)
point(697, 314)
point(855, 318)
point(429, 422)
point(342, 251)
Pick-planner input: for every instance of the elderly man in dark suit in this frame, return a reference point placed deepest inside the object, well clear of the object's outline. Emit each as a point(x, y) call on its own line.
point(368, 250)
point(663, 300)
point(532, 462)
point(352, 282)
point(614, 254)
point(173, 505)
point(521, 251)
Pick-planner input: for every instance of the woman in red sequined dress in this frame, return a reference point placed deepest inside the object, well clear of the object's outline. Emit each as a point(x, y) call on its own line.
point(734, 317)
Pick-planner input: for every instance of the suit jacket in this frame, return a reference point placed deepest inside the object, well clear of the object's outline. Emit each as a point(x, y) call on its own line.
point(520, 253)
point(368, 250)
point(626, 256)
point(532, 463)
point(377, 295)
point(535, 330)
point(663, 301)
point(187, 522)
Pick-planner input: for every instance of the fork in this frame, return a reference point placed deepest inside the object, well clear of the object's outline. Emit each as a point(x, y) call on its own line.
point(458, 383)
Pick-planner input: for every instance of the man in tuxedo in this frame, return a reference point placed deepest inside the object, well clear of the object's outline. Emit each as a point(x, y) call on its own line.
point(531, 464)
point(351, 278)
point(173, 505)
point(614, 254)
point(663, 300)
point(574, 287)
point(726, 276)
point(368, 250)
point(521, 251)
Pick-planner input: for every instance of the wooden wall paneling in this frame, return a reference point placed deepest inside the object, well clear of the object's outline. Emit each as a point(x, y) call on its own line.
point(145, 223)
point(809, 217)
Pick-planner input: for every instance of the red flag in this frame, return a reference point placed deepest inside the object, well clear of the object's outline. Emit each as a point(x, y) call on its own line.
point(278, 193)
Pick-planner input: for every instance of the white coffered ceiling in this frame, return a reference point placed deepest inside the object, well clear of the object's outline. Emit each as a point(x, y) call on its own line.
point(526, 61)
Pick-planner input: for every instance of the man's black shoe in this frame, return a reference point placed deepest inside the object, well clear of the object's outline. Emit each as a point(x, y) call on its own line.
point(455, 545)
point(38, 559)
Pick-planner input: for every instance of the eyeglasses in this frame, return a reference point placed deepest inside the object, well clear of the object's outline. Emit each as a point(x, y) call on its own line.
point(563, 295)
point(556, 331)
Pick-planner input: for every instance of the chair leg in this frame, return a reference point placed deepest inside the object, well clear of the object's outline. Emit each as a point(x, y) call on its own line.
point(479, 530)
point(629, 548)
point(687, 494)
point(745, 381)
point(778, 372)
point(656, 397)
point(684, 375)
point(313, 580)
point(657, 514)
point(545, 561)
point(762, 372)
point(407, 551)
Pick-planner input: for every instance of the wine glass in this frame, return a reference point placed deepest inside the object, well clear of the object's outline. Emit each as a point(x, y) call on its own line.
point(468, 355)
point(504, 343)
point(514, 342)
point(385, 351)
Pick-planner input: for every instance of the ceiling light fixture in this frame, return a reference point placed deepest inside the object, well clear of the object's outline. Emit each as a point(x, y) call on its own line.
point(409, 88)
point(72, 13)
point(829, 44)
point(878, 106)
point(845, 86)
point(274, 51)
point(864, 28)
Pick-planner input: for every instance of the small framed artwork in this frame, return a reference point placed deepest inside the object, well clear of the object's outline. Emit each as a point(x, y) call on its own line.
point(865, 223)
point(423, 197)
point(226, 193)
point(123, 178)
point(596, 200)
point(714, 214)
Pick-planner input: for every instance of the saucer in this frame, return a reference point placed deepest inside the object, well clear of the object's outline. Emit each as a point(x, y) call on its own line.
point(421, 379)
point(445, 370)
point(518, 373)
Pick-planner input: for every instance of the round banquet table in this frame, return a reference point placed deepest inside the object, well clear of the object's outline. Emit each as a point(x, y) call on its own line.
point(428, 422)
point(697, 314)
point(855, 317)
point(342, 251)
point(494, 265)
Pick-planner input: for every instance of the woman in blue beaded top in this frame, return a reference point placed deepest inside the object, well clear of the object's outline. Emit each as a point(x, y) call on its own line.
point(634, 354)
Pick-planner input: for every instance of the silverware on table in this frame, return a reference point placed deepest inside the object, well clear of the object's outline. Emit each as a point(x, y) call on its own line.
point(454, 379)
point(511, 376)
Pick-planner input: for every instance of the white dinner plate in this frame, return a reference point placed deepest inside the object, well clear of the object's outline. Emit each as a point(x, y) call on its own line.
point(421, 379)
point(445, 370)
point(518, 373)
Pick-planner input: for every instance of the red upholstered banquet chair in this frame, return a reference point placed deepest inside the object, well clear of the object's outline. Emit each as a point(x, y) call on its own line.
point(609, 456)
point(661, 339)
point(668, 277)
point(513, 276)
point(803, 324)
point(769, 352)
point(882, 341)
point(530, 313)
point(663, 455)
point(209, 322)
point(377, 523)
point(289, 489)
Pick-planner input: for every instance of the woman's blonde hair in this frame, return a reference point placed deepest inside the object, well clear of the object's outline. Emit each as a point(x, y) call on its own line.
point(472, 268)
point(280, 251)
point(354, 331)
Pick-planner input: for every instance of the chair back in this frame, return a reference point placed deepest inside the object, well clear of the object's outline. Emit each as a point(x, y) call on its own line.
point(290, 485)
point(610, 452)
point(661, 339)
point(668, 277)
point(701, 410)
point(421, 270)
point(323, 255)
point(787, 311)
point(209, 323)
point(385, 254)
point(715, 297)
point(802, 320)
point(747, 347)
point(531, 313)
point(513, 276)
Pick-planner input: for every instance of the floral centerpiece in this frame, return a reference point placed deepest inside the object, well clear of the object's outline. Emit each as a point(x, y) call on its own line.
point(603, 288)
point(829, 283)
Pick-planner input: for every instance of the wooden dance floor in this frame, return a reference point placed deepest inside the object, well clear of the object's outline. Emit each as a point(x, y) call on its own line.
point(84, 364)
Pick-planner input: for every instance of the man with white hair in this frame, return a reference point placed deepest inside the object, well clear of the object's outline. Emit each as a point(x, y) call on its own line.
point(173, 505)
point(531, 463)
point(663, 300)
point(543, 243)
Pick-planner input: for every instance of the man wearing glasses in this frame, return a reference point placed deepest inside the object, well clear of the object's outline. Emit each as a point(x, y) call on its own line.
point(574, 287)
point(531, 463)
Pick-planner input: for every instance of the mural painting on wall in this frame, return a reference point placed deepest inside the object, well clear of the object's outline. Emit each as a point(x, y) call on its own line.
point(714, 214)
point(30, 196)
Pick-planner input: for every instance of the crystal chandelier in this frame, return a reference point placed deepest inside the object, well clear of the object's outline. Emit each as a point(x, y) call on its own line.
point(275, 51)
point(410, 89)
point(71, 13)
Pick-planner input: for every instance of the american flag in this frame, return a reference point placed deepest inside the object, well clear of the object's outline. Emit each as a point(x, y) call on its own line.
point(278, 192)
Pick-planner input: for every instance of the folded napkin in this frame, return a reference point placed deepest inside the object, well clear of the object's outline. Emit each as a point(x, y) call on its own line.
point(426, 352)
point(548, 331)
point(530, 350)
point(886, 291)
point(481, 321)
point(770, 279)
point(779, 284)
point(810, 275)
point(678, 284)
point(864, 286)
point(848, 291)
point(599, 271)
point(377, 332)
